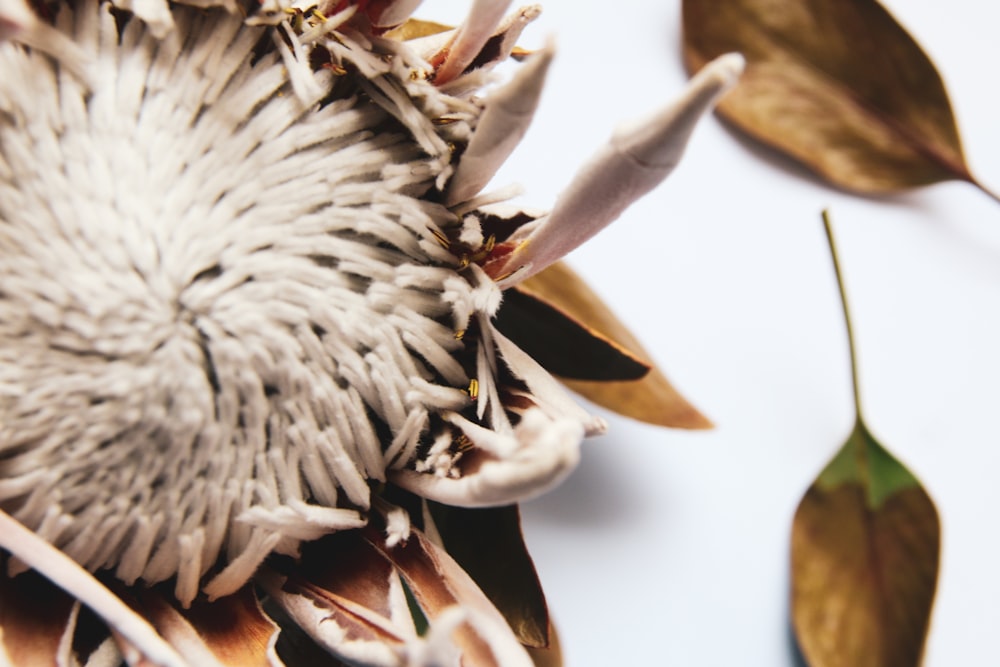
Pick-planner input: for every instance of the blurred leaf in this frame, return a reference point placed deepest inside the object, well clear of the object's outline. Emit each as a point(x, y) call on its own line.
point(839, 86)
point(652, 398)
point(865, 553)
point(415, 29)
point(488, 544)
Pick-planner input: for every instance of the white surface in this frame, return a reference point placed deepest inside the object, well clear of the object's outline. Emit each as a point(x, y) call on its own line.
point(670, 548)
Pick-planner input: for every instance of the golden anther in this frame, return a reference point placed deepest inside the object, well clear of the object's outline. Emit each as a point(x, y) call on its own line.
point(463, 262)
point(444, 120)
point(490, 243)
point(337, 69)
point(320, 15)
point(459, 334)
point(463, 443)
point(473, 389)
point(441, 238)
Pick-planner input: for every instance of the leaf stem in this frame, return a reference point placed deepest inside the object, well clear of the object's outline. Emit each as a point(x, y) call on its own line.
point(847, 312)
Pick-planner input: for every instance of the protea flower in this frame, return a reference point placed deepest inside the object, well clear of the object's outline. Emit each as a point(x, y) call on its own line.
point(264, 341)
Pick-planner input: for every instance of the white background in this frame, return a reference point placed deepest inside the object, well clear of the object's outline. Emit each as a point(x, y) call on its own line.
point(671, 548)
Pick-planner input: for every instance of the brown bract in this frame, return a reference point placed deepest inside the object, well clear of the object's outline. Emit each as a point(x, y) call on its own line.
point(839, 86)
point(647, 397)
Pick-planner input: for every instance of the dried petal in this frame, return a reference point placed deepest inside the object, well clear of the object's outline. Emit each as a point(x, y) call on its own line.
point(562, 344)
point(651, 399)
point(348, 597)
point(229, 632)
point(488, 544)
point(35, 616)
point(441, 587)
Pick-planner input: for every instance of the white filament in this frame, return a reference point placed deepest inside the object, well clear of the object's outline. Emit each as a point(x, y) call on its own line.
point(212, 294)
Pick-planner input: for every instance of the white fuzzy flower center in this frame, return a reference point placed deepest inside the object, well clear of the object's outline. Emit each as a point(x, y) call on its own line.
point(222, 311)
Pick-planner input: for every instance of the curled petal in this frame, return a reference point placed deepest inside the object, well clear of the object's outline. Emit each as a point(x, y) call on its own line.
point(34, 618)
point(636, 159)
point(541, 453)
point(230, 632)
point(348, 597)
point(506, 116)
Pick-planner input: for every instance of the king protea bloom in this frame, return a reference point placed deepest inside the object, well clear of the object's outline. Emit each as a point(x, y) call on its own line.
point(264, 340)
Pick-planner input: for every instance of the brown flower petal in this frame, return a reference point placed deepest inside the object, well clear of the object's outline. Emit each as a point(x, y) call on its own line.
point(441, 587)
point(34, 617)
point(561, 344)
point(651, 399)
point(347, 596)
point(488, 544)
point(230, 632)
point(551, 656)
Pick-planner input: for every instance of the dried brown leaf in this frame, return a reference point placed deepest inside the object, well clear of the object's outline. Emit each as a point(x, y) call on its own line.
point(839, 86)
point(866, 544)
point(864, 562)
point(652, 398)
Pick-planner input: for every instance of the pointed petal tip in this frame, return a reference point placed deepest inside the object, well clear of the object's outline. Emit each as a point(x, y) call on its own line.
point(16, 19)
point(727, 69)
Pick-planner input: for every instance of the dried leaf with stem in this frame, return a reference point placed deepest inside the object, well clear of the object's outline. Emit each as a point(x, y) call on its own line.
point(838, 86)
point(865, 551)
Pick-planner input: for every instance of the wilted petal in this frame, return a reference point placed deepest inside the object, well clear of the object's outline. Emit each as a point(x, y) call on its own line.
point(503, 469)
point(507, 113)
point(561, 343)
point(636, 159)
point(229, 632)
point(651, 399)
point(35, 617)
point(441, 588)
point(487, 543)
point(348, 597)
